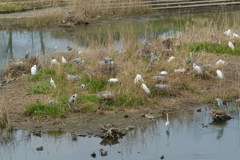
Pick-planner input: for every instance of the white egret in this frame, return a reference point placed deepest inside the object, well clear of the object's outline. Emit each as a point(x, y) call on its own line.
point(228, 33)
point(64, 60)
point(230, 44)
point(219, 74)
point(145, 88)
point(163, 73)
point(171, 59)
point(197, 69)
point(73, 98)
point(220, 103)
point(138, 78)
point(54, 61)
point(167, 123)
point(180, 70)
point(220, 61)
point(34, 70)
point(113, 80)
point(235, 35)
point(52, 83)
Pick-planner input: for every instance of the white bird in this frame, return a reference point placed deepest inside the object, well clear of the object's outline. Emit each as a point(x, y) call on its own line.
point(180, 70)
point(197, 69)
point(228, 33)
point(163, 73)
point(138, 78)
point(230, 44)
point(145, 88)
point(113, 80)
point(219, 74)
point(220, 61)
point(52, 83)
point(34, 70)
point(167, 123)
point(54, 61)
point(73, 98)
point(235, 35)
point(64, 60)
point(171, 59)
point(220, 103)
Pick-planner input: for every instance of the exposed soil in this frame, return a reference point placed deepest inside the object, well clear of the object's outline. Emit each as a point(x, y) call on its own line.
point(14, 97)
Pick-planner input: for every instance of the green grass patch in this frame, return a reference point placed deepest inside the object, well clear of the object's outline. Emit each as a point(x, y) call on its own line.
point(42, 74)
point(95, 84)
point(124, 100)
point(40, 109)
point(41, 88)
point(208, 47)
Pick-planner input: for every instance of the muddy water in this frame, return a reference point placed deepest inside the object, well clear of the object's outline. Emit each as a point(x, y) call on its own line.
point(187, 140)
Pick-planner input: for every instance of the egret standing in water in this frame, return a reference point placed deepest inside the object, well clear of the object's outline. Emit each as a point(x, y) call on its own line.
point(52, 83)
point(220, 103)
point(34, 70)
point(167, 123)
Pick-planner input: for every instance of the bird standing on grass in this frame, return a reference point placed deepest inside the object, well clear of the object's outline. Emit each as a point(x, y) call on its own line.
point(167, 123)
point(197, 69)
point(171, 59)
point(52, 83)
point(138, 78)
point(54, 61)
point(73, 98)
point(145, 88)
point(64, 60)
point(219, 74)
point(230, 44)
point(34, 70)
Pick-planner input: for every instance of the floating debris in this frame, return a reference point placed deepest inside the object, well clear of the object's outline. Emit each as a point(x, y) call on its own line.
point(111, 131)
point(162, 157)
point(220, 116)
point(74, 137)
point(103, 152)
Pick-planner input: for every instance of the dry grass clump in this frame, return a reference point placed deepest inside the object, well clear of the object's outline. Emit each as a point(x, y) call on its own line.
point(5, 121)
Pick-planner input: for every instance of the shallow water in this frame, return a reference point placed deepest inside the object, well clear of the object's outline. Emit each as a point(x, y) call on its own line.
point(187, 140)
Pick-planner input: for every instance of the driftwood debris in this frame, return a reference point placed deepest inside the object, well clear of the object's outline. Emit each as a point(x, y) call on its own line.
point(111, 131)
point(220, 116)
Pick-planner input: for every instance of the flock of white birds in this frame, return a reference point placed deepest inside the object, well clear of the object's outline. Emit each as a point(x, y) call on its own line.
point(197, 69)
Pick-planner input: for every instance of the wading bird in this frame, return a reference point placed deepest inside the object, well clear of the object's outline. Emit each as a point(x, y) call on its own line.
point(52, 83)
point(171, 59)
point(220, 103)
point(34, 70)
point(167, 123)
point(54, 61)
point(220, 61)
point(113, 80)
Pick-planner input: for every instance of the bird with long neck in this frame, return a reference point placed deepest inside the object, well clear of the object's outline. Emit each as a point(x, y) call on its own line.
point(167, 123)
